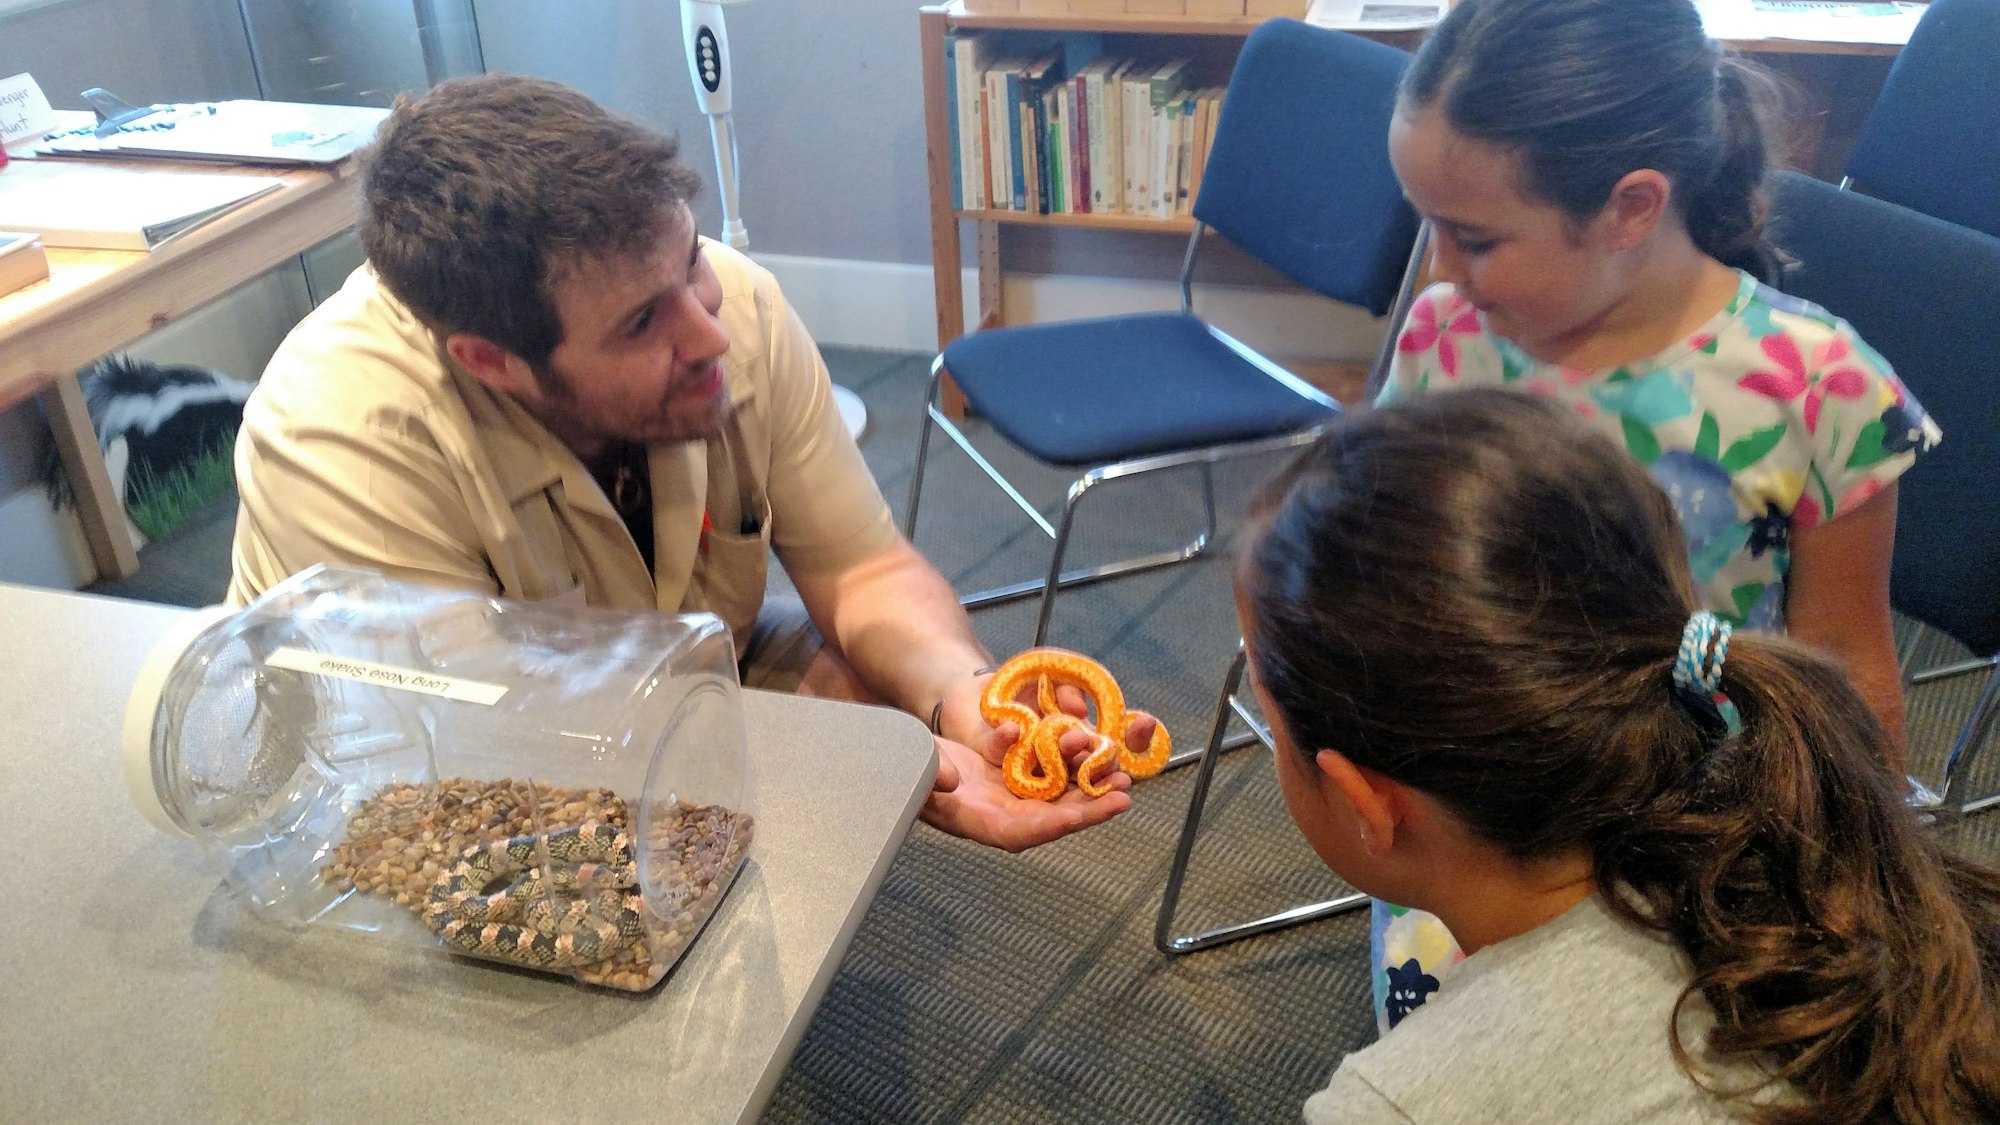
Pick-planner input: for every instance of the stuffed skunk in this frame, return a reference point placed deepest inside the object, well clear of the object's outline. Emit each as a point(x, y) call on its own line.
point(167, 435)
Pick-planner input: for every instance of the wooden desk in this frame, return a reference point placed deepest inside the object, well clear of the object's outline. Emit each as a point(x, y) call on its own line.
point(137, 989)
point(96, 301)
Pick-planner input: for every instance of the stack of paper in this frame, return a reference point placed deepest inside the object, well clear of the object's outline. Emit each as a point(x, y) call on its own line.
point(117, 207)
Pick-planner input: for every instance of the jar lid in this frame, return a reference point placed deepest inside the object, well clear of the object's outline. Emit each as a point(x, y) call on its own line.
point(142, 712)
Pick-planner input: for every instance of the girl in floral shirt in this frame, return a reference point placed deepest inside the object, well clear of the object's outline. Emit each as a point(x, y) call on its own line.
point(1593, 173)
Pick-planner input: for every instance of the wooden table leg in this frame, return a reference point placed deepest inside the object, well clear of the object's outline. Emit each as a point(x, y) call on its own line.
point(97, 506)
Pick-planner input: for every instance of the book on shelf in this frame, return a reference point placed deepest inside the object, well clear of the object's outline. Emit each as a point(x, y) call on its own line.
point(1207, 104)
point(1107, 132)
point(958, 197)
point(1031, 132)
point(1132, 87)
point(1162, 99)
point(1019, 170)
point(117, 207)
point(993, 109)
point(1058, 165)
point(1166, 156)
point(968, 59)
point(1076, 116)
point(1042, 74)
point(1076, 144)
point(1183, 155)
point(22, 261)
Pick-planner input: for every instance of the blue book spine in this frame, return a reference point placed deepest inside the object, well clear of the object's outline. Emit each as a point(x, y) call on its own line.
point(951, 115)
point(1017, 166)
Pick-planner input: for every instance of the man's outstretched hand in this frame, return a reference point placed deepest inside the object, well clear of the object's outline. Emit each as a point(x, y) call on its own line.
point(970, 799)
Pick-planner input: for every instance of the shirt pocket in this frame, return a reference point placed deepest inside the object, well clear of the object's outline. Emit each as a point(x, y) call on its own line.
point(730, 574)
point(533, 563)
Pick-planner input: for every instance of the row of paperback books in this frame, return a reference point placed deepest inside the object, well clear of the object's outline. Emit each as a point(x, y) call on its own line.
point(1032, 133)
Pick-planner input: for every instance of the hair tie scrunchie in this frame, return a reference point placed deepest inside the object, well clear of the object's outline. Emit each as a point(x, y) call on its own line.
point(1698, 672)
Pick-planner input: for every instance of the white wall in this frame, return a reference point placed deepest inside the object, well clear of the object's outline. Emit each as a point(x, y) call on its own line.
point(829, 119)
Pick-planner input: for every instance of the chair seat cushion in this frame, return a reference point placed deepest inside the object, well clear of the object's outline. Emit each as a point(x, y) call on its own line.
point(1093, 392)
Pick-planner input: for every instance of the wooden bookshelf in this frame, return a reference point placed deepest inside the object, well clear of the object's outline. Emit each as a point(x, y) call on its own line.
point(1182, 225)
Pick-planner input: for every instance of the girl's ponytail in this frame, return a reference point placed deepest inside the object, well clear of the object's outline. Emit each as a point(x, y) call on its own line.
point(1726, 212)
point(1786, 869)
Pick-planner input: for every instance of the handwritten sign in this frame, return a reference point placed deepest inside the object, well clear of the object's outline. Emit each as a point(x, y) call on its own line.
point(24, 109)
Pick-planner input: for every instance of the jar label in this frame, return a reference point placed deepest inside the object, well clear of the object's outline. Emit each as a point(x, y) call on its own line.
point(386, 675)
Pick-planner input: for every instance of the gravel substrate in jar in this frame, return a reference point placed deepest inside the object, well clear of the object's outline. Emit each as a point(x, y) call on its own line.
point(407, 838)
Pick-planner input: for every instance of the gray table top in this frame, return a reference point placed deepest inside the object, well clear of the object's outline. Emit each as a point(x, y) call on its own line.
point(134, 986)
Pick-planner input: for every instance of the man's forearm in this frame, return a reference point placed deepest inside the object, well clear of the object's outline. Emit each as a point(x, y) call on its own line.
point(898, 624)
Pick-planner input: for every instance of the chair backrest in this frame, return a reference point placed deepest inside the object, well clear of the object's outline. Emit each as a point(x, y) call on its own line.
point(1926, 295)
point(1298, 174)
point(1932, 140)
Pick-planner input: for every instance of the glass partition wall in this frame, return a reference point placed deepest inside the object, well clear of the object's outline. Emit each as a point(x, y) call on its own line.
point(355, 52)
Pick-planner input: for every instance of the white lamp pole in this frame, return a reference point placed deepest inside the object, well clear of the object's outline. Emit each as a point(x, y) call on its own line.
point(707, 40)
point(708, 63)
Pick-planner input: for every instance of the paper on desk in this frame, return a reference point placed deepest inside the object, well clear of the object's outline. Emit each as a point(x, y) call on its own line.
point(24, 109)
point(117, 207)
point(1820, 23)
point(1372, 15)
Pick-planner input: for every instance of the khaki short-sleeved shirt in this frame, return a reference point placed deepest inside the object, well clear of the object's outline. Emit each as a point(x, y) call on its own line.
point(366, 444)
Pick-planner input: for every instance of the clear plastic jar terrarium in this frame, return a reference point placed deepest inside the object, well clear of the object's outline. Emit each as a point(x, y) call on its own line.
point(545, 785)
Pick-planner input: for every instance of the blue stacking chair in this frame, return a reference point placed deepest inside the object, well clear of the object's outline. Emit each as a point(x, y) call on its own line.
point(1926, 294)
point(1299, 177)
point(1932, 140)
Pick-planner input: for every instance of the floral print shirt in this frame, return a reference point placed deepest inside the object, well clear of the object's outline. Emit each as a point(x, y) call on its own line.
point(1774, 417)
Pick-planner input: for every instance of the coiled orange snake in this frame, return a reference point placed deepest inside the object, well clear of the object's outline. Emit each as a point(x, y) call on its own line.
point(1034, 768)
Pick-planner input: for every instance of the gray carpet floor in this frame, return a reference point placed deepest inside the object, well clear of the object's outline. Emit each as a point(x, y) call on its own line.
point(993, 988)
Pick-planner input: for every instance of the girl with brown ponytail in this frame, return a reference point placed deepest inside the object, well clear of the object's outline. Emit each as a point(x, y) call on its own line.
point(1689, 887)
point(1593, 171)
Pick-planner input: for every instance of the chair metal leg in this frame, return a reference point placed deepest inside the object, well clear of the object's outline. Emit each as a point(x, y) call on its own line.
point(1058, 580)
point(1944, 671)
point(1916, 794)
point(1906, 653)
point(1979, 721)
point(1958, 764)
point(1254, 733)
point(1053, 582)
point(1193, 754)
point(923, 447)
point(1059, 532)
point(1163, 936)
point(1385, 354)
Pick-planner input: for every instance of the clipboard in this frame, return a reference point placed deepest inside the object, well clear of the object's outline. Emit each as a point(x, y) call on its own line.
point(243, 131)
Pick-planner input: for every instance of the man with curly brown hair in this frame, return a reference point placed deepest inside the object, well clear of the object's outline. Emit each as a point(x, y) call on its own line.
point(544, 384)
